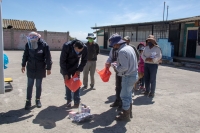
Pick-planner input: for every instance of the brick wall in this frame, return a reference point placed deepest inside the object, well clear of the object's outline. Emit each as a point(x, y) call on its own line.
point(16, 39)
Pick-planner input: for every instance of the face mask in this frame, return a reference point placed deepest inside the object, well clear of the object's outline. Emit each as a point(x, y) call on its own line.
point(76, 51)
point(90, 40)
point(150, 44)
point(32, 43)
point(115, 48)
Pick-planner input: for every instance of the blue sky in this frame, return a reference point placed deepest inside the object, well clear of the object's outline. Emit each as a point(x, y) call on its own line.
point(78, 16)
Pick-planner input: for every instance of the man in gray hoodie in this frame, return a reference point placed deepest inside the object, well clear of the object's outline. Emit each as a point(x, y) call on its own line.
point(126, 66)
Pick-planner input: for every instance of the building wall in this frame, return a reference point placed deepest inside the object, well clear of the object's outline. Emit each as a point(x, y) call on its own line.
point(16, 39)
point(198, 52)
point(100, 41)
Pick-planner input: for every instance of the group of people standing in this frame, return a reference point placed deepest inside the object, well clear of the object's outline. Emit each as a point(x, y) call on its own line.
point(124, 59)
point(77, 57)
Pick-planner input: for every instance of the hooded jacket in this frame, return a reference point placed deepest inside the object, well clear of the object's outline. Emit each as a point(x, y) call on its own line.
point(37, 61)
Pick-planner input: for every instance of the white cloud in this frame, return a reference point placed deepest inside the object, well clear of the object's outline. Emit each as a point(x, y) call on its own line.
point(80, 35)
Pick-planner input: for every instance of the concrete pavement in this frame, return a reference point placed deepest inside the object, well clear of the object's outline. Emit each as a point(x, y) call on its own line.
point(175, 108)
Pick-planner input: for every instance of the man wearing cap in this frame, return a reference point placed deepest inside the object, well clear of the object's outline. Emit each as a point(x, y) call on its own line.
point(118, 79)
point(93, 51)
point(126, 66)
point(127, 39)
point(71, 53)
point(37, 60)
point(151, 56)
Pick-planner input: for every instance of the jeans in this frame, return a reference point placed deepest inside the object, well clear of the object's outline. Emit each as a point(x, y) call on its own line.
point(76, 95)
point(128, 82)
point(38, 85)
point(150, 71)
point(118, 87)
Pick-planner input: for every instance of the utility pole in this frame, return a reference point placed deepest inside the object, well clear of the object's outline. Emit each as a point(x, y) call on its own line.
point(163, 21)
point(167, 13)
point(2, 87)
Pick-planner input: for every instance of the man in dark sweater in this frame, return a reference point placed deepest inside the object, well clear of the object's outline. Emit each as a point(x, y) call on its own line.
point(71, 53)
point(93, 51)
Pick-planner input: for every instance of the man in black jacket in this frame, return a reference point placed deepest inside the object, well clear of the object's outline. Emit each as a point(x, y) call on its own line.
point(37, 60)
point(71, 53)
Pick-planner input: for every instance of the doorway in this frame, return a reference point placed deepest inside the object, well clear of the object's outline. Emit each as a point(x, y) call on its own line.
point(191, 43)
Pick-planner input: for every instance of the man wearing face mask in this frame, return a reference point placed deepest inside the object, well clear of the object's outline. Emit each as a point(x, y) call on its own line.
point(71, 53)
point(151, 55)
point(126, 67)
point(37, 60)
point(93, 51)
point(118, 79)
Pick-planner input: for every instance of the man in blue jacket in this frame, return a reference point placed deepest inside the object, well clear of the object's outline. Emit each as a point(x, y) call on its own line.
point(71, 53)
point(37, 60)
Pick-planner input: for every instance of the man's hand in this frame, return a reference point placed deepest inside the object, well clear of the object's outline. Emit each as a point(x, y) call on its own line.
point(66, 77)
point(48, 72)
point(78, 73)
point(149, 59)
point(107, 65)
point(23, 69)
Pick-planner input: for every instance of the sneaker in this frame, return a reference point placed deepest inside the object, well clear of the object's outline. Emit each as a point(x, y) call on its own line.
point(141, 87)
point(69, 103)
point(28, 104)
point(143, 90)
point(38, 103)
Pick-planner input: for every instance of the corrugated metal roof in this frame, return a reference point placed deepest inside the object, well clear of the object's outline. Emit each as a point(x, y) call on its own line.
point(19, 24)
point(182, 20)
point(191, 19)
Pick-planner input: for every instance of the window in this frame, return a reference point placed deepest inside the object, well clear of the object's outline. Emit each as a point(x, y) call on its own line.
point(143, 33)
point(119, 30)
point(161, 31)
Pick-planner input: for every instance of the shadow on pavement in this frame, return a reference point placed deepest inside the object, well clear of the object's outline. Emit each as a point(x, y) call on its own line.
point(103, 120)
point(13, 116)
point(143, 100)
point(49, 116)
point(111, 99)
point(84, 91)
point(119, 127)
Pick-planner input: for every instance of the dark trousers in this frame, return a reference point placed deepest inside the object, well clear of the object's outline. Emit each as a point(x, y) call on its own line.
point(142, 81)
point(76, 95)
point(38, 85)
point(118, 86)
point(150, 72)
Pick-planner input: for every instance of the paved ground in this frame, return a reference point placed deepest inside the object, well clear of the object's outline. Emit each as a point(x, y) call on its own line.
point(175, 108)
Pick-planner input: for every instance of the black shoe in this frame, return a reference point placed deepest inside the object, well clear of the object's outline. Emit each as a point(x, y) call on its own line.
point(76, 105)
point(115, 104)
point(28, 104)
point(151, 95)
point(38, 103)
point(84, 87)
point(146, 93)
point(69, 103)
point(92, 87)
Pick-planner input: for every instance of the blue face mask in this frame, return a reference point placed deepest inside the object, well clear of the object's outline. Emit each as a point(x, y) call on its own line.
point(150, 44)
point(76, 51)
